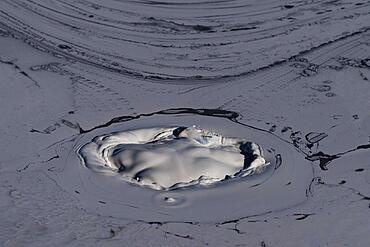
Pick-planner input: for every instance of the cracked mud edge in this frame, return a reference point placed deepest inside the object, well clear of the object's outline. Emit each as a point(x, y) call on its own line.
point(220, 113)
point(324, 159)
point(19, 70)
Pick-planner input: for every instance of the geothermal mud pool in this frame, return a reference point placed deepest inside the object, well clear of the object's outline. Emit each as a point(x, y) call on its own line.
point(151, 123)
point(171, 157)
point(184, 173)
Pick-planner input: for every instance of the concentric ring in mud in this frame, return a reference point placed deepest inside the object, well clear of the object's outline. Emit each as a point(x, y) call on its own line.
point(281, 184)
point(176, 41)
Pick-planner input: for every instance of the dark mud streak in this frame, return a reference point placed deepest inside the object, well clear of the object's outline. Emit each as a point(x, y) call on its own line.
point(175, 27)
point(312, 183)
point(222, 223)
point(178, 235)
point(174, 111)
point(312, 138)
point(297, 147)
point(353, 190)
point(160, 77)
point(302, 216)
point(278, 160)
point(325, 159)
point(70, 124)
point(366, 146)
point(52, 158)
point(38, 131)
point(230, 115)
point(364, 197)
point(25, 167)
point(18, 69)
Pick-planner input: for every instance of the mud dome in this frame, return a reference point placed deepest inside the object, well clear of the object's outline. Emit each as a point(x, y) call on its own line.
point(171, 157)
point(129, 169)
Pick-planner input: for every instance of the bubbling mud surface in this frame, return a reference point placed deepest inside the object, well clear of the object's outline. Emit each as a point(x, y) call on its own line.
point(163, 158)
point(169, 173)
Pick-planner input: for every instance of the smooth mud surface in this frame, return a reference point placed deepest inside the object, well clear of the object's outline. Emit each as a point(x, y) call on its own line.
point(98, 103)
point(174, 174)
point(172, 157)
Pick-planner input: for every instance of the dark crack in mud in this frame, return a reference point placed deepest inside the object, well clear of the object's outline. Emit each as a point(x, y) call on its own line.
point(169, 35)
point(325, 159)
point(312, 137)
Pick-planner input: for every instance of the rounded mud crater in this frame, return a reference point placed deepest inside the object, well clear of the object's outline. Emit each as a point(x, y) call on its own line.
point(167, 158)
point(169, 173)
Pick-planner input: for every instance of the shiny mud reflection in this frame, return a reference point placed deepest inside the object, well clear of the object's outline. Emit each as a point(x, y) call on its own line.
point(171, 173)
point(163, 158)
